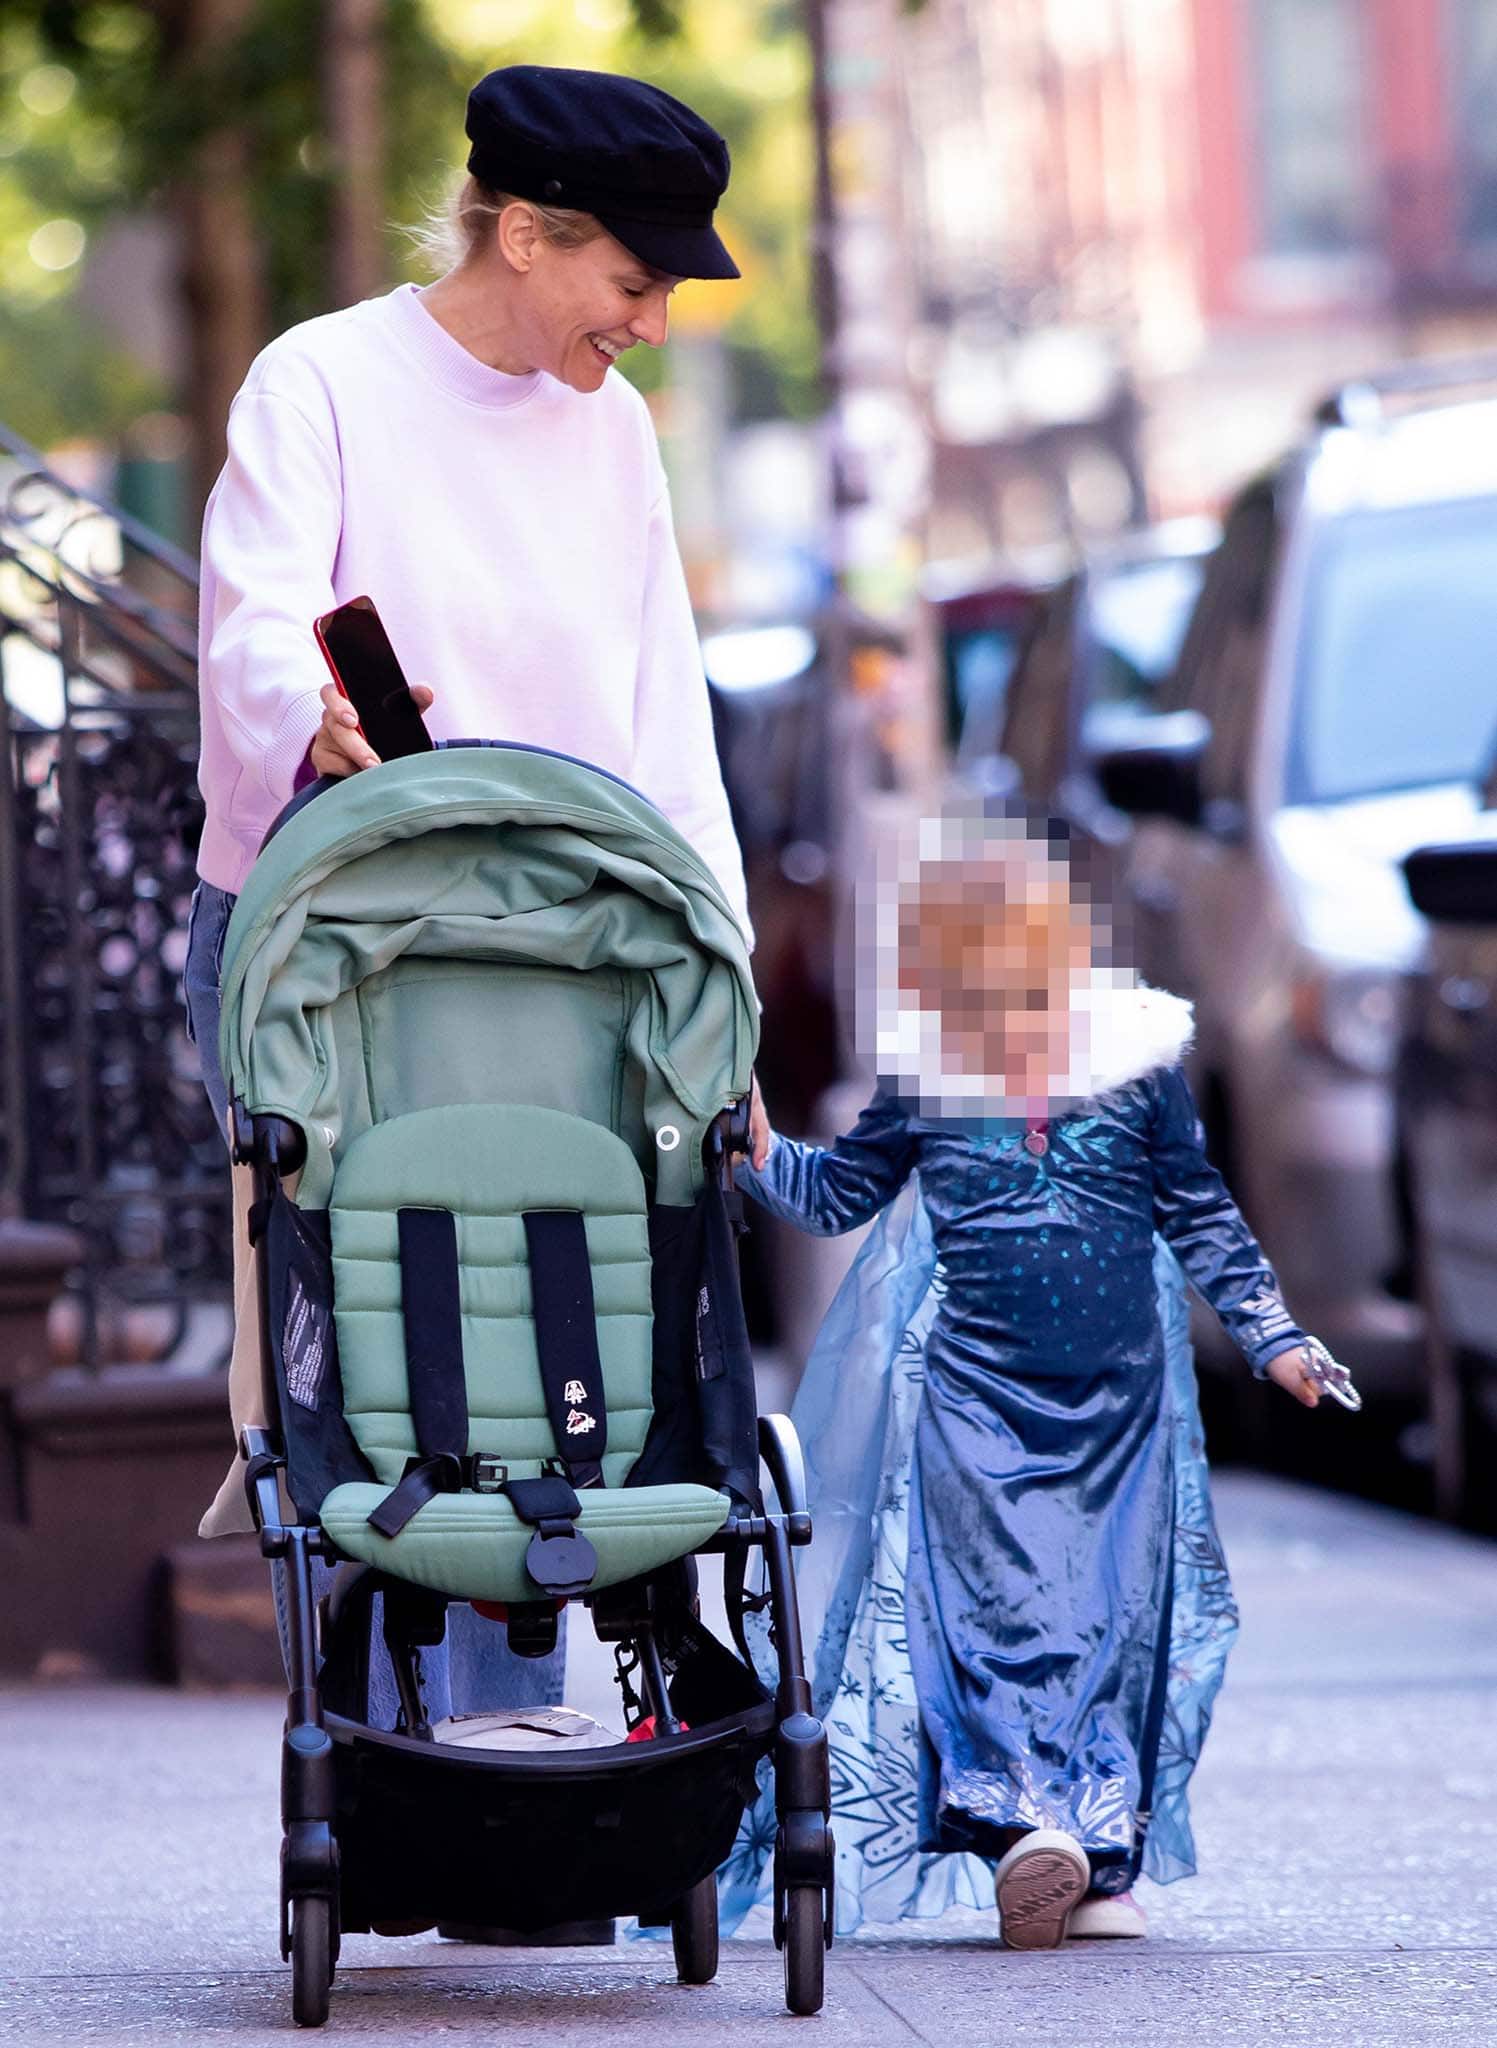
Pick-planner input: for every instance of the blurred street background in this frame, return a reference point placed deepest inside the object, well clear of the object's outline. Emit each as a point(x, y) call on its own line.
point(1107, 418)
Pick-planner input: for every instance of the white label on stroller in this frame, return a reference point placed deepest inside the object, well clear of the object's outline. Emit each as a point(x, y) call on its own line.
point(579, 1424)
point(574, 1391)
point(710, 1364)
point(304, 1345)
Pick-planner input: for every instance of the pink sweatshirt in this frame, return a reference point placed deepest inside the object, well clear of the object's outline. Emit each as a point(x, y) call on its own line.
point(515, 536)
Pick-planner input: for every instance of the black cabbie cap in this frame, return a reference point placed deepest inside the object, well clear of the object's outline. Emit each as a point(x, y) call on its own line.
point(639, 161)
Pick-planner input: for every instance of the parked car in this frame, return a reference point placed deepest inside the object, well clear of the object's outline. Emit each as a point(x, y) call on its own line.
point(982, 620)
point(1447, 1113)
point(1332, 708)
point(1092, 665)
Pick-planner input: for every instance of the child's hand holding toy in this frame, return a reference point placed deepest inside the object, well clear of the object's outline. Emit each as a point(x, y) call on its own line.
point(1308, 1371)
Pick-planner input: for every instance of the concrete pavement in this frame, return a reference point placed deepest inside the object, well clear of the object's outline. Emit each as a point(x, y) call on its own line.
point(1347, 1823)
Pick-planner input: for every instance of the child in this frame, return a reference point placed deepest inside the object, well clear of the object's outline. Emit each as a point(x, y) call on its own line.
point(1038, 1094)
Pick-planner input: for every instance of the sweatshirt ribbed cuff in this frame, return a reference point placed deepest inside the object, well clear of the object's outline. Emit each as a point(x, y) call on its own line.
point(288, 749)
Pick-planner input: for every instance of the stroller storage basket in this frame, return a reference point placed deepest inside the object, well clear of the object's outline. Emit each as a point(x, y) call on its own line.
point(430, 1833)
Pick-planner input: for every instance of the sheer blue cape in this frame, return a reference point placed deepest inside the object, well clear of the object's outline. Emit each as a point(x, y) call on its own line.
point(855, 1412)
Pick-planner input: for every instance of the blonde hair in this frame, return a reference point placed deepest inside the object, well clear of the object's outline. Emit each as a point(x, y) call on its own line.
point(460, 228)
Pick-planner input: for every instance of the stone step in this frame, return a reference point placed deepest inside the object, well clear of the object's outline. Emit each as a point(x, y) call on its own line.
point(218, 1618)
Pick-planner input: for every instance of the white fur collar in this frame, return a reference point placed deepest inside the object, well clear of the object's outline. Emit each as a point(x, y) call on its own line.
point(1121, 1032)
point(1134, 1032)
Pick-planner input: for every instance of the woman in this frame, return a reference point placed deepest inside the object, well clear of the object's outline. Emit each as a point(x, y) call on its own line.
point(463, 455)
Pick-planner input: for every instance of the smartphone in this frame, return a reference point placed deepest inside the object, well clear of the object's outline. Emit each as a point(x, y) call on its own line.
point(356, 648)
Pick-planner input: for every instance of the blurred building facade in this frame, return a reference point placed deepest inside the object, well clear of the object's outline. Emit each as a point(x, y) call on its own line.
point(1148, 234)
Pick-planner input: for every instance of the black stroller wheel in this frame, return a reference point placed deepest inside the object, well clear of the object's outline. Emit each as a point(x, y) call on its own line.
point(311, 1960)
point(694, 1933)
point(805, 1948)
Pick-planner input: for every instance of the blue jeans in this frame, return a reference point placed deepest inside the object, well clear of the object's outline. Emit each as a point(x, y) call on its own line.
point(473, 1671)
point(207, 922)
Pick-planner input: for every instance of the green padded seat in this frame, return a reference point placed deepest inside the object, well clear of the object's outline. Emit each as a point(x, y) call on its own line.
point(472, 1545)
point(488, 1164)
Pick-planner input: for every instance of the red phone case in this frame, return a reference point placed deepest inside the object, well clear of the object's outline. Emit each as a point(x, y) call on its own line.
point(332, 666)
point(385, 709)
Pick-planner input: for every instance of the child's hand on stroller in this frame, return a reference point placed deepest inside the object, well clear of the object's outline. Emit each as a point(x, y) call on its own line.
point(761, 1137)
point(1294, 1372)
point(338, 747)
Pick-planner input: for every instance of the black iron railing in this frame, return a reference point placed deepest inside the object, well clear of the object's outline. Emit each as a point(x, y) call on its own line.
point(103, 1122)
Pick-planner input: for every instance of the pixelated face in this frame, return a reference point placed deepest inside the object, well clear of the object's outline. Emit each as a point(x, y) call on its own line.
point(994, 951)
point(982, 940)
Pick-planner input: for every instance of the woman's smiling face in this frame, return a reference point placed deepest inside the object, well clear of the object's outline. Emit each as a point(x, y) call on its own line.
point(582, 307)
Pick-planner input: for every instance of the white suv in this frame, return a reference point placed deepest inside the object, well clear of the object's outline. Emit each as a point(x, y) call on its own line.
point(1334, 706)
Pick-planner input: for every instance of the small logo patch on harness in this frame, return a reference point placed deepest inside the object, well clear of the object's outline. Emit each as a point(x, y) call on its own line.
point(574, 1391)
point(579, 1424)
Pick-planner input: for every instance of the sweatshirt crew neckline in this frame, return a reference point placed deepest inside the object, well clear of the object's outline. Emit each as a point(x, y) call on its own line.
point(448, 363)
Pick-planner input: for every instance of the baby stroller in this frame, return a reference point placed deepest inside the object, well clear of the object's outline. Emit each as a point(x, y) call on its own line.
point(488, 1028)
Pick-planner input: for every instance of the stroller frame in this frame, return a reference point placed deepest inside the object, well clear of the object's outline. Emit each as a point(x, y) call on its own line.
point(344, 1784)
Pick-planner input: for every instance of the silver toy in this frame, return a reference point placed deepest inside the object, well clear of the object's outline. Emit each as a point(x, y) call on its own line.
point(1331, 1376)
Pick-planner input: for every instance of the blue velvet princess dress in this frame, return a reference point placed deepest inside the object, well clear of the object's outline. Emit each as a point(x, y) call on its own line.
point(1017, 1604)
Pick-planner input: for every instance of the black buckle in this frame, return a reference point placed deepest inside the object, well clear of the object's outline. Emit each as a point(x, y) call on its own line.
point(560, 1558)
point(489, 1473)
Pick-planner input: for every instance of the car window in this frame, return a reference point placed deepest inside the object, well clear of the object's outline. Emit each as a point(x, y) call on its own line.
point(1220, 670)
point(1135, 619)
point(979, 665)
point(1396, 685)
point(1036, 729)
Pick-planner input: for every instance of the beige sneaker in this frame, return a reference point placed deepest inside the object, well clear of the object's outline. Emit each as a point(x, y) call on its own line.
point(1038, 1883)
point(1101, 1918)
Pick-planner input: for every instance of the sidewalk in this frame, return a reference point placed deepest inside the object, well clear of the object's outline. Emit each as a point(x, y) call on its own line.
point(1347, 1822)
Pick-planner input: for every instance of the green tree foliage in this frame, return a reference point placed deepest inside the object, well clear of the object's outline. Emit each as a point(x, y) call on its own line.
point(60, 181)
point(127, 112)
point(148, 111)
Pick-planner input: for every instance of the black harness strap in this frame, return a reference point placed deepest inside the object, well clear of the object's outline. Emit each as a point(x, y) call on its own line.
point(422, 1480)
point(560, 1558)
point(566, 1338)
point(431, 1308)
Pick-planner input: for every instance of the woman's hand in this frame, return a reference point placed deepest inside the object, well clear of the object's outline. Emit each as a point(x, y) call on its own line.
point(1292, 1371)
point(338, 747)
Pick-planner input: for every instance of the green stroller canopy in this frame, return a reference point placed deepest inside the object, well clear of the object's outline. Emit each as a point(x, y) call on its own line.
point(487, 924)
